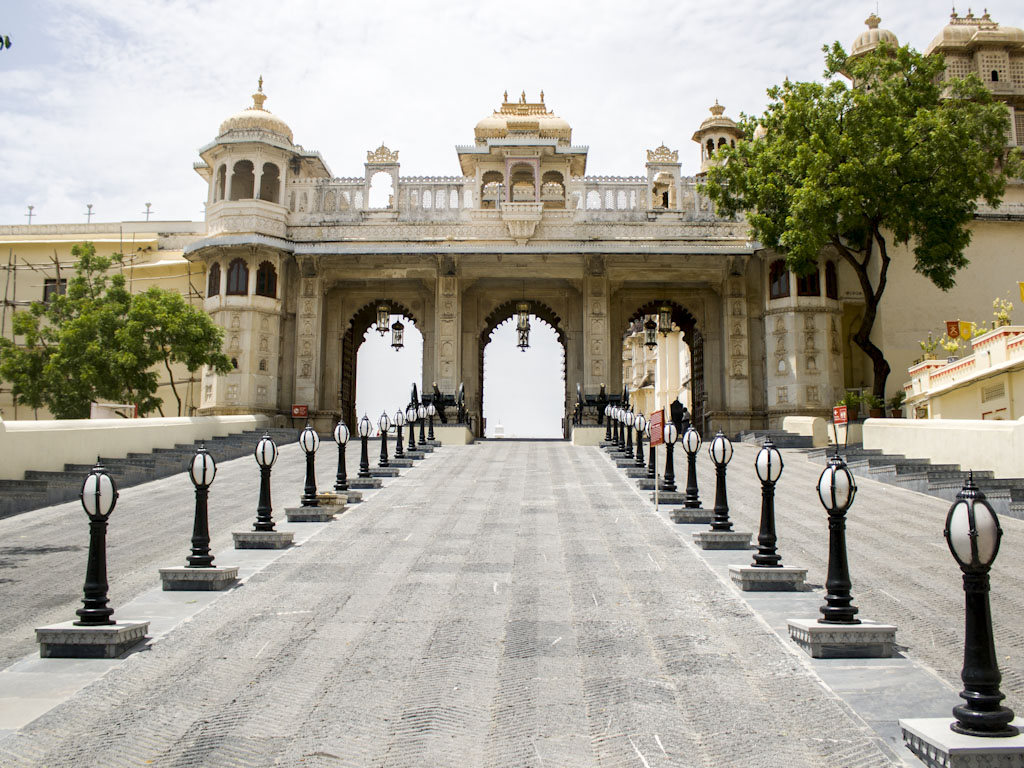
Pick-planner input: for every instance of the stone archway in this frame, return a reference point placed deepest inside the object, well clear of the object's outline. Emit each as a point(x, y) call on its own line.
point(358, 325)
point(499, 315)
point(683, 319)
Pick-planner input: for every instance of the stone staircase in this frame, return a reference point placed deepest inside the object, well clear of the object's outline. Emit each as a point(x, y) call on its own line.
point(43, 488)
point(781, 438)
point(944, 481)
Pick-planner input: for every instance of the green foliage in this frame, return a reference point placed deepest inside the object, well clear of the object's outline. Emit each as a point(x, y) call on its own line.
point(871, 401)
point(897, 155)
point(896, 401)
point(849, 399)
point(98, 342)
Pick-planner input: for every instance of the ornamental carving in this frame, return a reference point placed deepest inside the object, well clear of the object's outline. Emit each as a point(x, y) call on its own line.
point(662, 155)
point(382, 155)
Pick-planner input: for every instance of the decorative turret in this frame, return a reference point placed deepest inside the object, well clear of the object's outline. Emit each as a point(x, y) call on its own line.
point(256, 118)
point(714, 133)
point(870, 38)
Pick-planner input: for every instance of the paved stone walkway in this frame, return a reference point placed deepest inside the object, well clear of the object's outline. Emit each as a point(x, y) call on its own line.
point(504, 604)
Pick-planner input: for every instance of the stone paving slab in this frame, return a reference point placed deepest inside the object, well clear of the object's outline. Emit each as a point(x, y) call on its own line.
point(513, 604)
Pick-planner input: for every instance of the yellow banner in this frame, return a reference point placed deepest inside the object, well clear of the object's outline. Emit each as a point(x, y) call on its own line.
point(966, 329)
point(1020, 287)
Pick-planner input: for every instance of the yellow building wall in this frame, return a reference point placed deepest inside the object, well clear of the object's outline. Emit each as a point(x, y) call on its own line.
point(153, 256)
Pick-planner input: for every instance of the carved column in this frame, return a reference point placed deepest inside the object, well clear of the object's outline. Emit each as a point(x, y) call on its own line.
point(596, 348)
point(448, 310)
point(309, 323)
point(737, 346)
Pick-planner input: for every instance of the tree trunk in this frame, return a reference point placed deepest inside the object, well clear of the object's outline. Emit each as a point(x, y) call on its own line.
point(174, 389)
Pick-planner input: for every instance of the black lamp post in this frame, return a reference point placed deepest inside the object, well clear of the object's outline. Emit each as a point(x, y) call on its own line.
point(364, 437)
point(410, 419)
point(671, 434)
point(628, 418)
point(309, 441)
point(641, 425)
point(652, 456)
point(341, 436)
point(721, 454)
point(266, 455)
point(384, 424)
point(201, 471)
point(421, 416)
point(836, 490)
point(973, 534)
point(769, 468)
point(691, 444)
point(620, 414)
point(431, 413)
point(608, 423)
point(98, 496)
point(399, 423)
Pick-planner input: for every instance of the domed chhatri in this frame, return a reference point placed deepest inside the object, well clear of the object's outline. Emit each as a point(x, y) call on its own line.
point(965, 35)
point(523, 118)
point(256, 118)
point(870, 38)
point(717, 131)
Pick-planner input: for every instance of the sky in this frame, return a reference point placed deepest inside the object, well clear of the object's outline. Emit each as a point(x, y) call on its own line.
point(108, 102)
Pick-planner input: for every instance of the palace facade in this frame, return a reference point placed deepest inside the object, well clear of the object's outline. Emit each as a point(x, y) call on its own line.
point(293, 262)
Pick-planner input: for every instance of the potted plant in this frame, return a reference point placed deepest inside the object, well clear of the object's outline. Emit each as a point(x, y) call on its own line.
point(896, 404)
point(1001, 309)
point(875, 406)
point(952, 347)
point(852, 402)
point(929, 346)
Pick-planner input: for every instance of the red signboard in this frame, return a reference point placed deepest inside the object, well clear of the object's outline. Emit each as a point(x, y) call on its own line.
point(300, 411)
point(658, 428)
point(839, 414)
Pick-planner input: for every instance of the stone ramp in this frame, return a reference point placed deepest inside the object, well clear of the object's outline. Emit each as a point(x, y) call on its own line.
point(501, 605)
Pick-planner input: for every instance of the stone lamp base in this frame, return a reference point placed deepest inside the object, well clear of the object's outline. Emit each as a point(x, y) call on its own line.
point(67, 641)
point(263, 539)
point(753, 578)
point(186, 579)
point(937, 746)
point(322, 514)
point(867, 640)
point(691, 515)
point(722, 539)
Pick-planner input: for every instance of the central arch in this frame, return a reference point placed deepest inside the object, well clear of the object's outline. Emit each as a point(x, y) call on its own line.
point(540, 311)
point(363, 319)
point(683, 319)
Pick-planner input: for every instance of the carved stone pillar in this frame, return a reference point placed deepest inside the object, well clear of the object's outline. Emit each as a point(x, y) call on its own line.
point(737, 346)
point(309, 322)
point(596, 347)
point(447, 349)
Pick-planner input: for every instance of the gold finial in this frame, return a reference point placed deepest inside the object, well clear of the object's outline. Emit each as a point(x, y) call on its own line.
point(506, 95)
point(522, 98)
point(872, 21)
point(542, 97)
point(258, 98)
point(718, 109)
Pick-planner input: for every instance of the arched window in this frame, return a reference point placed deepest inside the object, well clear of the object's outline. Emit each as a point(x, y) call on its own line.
point(593, 200)
point(552, 190)
point(266, 280)
point(995, 76)
point(270, 183)
point(222, 177)
point(778, 280)
point(809, 285)
point(490, 188)
point(213, 280)
point(722, 142)
point(382, 191)
point(242, 180)
point(711, 147)
point(238, 278)
point(831, 280)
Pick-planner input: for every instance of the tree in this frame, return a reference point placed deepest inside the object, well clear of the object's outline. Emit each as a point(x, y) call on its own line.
point(898, 155)
point(98, 342)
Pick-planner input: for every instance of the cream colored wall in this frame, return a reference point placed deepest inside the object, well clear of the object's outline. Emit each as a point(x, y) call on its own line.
point(453, 435)
point(153, 256)
point(49, 445)
point(813, 427)
point(973, 444)
point(912, 305)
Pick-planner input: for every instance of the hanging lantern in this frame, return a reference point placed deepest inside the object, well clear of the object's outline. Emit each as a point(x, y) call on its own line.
point(383, 318)
point(524, 338)
point(665, 320)
point(523, 312)
point(397, 335)
point(650, 334)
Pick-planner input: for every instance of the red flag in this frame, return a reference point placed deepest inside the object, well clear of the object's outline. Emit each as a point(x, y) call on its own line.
point(953, 329)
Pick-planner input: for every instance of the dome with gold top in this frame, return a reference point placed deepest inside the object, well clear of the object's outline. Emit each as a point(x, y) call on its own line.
point(870, 38)
point(718, 120)
point(256, 118)
point(523, 118)
point(963, 34)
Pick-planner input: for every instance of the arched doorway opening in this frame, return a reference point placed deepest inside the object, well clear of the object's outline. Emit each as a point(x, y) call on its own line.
point(681, 376)
point(375, 377)
point(523, 392)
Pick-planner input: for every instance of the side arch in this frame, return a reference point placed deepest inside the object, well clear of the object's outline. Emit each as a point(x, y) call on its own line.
point(360, 322)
